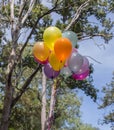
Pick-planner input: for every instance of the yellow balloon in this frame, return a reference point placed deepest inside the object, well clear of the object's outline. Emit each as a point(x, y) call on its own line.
point(40, 51)
point(50, 35)
point(55, 62)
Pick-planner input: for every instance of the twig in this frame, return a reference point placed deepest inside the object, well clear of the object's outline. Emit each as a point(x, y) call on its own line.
point(94, 59)
point(97, 44)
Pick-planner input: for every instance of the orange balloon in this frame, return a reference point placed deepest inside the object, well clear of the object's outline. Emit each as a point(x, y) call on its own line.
point(63, 48)
point(40, 51)
point(55, 62)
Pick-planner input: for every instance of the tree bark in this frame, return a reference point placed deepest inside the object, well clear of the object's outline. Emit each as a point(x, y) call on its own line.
point(52, 105)
point(8, 94)
point(43, 109)
point(11, 63)
point(6, 108)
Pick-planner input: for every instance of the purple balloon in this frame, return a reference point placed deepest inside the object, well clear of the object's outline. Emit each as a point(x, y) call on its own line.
point(75, 61)
point(81, 76)
point(41, 62)
point(84, 67)
point(49, 72)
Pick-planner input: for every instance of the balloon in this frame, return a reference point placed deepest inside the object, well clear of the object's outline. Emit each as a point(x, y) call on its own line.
point(85, 66)
point(40, 51)
point(66, 63)
point(71, 36)
point(63, 48)
point(66, 71)
point(75, 61)
point(49, 72)
point(55, 62)
point(81, 76)
point(41, 62)
point(50, 35)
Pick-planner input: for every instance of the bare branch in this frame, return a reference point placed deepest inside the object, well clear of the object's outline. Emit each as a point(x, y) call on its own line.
point(22, 6)
point(98, 45)
point(94, 59)
point(88, 36)
point(32, 2)
point(12, 10)
point(77, 14)
point(12, 16)
point(25, 86)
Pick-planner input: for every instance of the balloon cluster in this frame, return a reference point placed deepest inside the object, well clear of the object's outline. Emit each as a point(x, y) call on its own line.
point(59, 56)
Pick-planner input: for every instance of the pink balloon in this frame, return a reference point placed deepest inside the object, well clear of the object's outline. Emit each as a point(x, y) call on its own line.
point(81, 76)
point(41, 62)
point(74, 50)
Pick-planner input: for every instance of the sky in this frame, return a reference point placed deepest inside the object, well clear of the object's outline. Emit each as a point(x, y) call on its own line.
point(102, 75)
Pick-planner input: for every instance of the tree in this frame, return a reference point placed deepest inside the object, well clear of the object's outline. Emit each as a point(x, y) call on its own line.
point(108, 102)
point(18, 70)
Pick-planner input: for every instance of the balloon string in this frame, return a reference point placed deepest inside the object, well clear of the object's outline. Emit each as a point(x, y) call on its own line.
point(94, 59)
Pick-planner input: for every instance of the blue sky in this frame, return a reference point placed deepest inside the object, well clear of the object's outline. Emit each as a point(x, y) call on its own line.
point(102, 75)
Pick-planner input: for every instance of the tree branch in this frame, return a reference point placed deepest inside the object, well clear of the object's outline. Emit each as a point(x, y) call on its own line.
point(12, 17)
point(32, 2)
point(77, 14)
point(22, 6)
point(12, 10)
point(94, 35)
point(94, 59)
point(25, 86)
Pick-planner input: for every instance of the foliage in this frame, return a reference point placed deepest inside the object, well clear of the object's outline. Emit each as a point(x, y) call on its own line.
point(84, 85)
point(26, 113)
point(85, 27)
point(24, 110)
point(67, 113)
point(108, 102)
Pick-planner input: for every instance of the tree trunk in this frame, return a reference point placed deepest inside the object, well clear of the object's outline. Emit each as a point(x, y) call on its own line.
point(15, 29)
point(52, 105)
point(8, 93)
point(6, 108)
point(43, 109)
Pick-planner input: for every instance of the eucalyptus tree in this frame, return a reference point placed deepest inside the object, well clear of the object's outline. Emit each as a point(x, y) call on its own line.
point(22, 23)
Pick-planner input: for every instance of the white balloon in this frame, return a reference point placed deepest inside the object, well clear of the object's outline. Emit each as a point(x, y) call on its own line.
point(75, 62)
point(66, 71)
